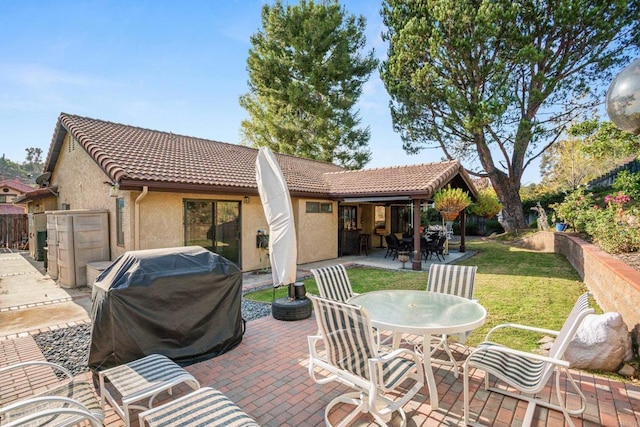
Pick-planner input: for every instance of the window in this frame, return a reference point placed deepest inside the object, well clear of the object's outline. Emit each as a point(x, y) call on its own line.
point(350, 217)
point(317, 207)
point(380, 217)
point(3, 199)
point(119, 221)
point(400, 219)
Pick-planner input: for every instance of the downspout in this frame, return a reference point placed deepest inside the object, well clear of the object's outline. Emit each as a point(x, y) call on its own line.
point(136, 235)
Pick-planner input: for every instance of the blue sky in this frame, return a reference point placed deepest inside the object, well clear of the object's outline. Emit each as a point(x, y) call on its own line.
point(165, 65)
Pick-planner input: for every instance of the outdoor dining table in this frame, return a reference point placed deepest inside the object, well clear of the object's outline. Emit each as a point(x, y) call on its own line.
point(421, 313)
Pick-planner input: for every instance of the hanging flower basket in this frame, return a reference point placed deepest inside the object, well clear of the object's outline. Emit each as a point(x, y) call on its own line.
point(450, 201)
point(449, 215)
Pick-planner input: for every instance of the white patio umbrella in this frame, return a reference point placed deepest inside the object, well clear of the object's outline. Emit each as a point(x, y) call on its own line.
point(276, 201)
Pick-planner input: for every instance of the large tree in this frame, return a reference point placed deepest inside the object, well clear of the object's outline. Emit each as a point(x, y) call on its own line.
point(306, 72)
point(590, 149)
point(495, 82)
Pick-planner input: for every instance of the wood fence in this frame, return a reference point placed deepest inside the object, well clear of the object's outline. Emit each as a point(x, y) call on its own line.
point(14, 231)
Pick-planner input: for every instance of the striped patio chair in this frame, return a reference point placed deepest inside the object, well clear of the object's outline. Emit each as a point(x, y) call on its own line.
point(333, 282)
point(67, 402)
point(453, 280)
point(346, 349)
point(203, 407)
point(529, 373)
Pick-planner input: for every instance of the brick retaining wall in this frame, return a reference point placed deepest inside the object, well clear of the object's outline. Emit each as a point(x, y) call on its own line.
point(614, 284)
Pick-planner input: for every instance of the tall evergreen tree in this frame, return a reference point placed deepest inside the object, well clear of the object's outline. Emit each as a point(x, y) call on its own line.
point(306, 72)
point(497, 81)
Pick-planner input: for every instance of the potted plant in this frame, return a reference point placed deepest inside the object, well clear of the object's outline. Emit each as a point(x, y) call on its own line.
point(450, 201)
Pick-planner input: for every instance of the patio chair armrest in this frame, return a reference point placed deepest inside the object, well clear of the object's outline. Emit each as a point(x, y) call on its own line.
point(74, 408)
point(399, 352)
point(23, 365)
point(521, 327)
point(486, 347)
point(313, 341)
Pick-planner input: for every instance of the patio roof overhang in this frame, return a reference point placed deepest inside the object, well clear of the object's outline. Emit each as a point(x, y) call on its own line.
point(379, 199)
point(38, 194)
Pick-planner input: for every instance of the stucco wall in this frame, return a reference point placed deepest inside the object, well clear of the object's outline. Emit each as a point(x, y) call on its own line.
point(317, 232)
point(614, 284)
point(81, 185)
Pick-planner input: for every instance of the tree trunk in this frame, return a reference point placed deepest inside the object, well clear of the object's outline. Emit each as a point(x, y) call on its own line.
point(512, 210)
point(507, 186)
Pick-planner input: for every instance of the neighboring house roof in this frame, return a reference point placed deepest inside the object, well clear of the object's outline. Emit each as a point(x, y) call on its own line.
point(630, 164)
point(36, 194)
point(135, 157)
point(6, 209)
point(16, 184)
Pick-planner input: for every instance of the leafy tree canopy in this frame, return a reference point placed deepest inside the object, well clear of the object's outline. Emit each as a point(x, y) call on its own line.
point(582, 156)
point(306, 72)
point(494, 83)
point(27, 171)
point(605, 140)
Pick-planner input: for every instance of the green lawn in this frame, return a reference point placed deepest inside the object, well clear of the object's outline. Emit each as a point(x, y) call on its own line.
point(514, 285)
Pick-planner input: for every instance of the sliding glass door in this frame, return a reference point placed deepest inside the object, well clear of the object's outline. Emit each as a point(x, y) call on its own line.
point(214, 225)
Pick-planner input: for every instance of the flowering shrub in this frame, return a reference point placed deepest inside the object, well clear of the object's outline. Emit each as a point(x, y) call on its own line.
point(573, 209)
point(613, 225)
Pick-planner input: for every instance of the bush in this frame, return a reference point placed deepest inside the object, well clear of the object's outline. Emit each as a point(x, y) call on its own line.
point(611, 223)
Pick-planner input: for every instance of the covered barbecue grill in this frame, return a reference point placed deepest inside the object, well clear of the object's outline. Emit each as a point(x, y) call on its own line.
point(184, 303)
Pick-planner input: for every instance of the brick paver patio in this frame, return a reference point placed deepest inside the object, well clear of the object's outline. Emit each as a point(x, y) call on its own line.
point(266, 375)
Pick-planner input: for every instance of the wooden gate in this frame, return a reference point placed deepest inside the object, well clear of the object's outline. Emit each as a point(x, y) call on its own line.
point(14, 231)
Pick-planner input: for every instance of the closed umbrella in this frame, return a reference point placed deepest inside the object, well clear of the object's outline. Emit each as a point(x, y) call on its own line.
point(276, 201)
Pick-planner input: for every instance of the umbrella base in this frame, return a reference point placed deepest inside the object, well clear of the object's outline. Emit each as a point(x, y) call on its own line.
point(286, 309)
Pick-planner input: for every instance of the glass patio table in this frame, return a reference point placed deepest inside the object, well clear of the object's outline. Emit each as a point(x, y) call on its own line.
point(422, 313)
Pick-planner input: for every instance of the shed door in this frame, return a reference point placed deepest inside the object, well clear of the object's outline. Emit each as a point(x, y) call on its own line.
point(214, 225)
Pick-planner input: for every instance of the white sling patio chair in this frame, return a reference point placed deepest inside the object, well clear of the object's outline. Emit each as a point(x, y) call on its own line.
point(66, 403)
point(333, 282)
point(529, 373)
point(453, 280)
point(351, 356)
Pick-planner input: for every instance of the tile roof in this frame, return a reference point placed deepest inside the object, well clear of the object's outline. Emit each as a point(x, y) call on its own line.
point(7, 209)
point(423, 179)
point(128, 153)
point(16, 185)
point(136, 156)
point(36, 194)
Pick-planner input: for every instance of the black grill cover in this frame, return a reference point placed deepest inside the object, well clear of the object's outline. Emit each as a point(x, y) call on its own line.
point(181, 302)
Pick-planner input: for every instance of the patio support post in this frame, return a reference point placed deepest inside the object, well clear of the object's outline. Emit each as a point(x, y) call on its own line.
point(463, 230)
point(417, 255)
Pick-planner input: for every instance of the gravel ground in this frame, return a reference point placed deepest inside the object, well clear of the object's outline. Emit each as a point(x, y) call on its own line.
point(69, 347)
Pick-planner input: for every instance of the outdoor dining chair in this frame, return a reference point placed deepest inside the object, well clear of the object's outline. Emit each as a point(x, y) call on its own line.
point(345, 351)
point(435, 246)
point(529, 373)
point(453, 280)
point(66, 403)
point(333, 282)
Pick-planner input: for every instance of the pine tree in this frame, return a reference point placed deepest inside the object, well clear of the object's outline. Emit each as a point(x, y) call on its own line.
point(306, 72)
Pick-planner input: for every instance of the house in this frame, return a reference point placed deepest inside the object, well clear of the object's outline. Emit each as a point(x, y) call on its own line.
point(10, 190)
point(13, 219)
point(630, 164)
point(163, 190)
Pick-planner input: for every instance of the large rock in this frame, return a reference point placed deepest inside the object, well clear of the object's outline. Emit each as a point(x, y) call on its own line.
point(602, 343)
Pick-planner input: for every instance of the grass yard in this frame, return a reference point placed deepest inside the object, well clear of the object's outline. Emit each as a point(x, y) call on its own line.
point(514, 285)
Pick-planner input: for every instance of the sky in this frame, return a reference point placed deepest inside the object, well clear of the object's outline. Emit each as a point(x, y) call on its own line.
point(165, 65)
